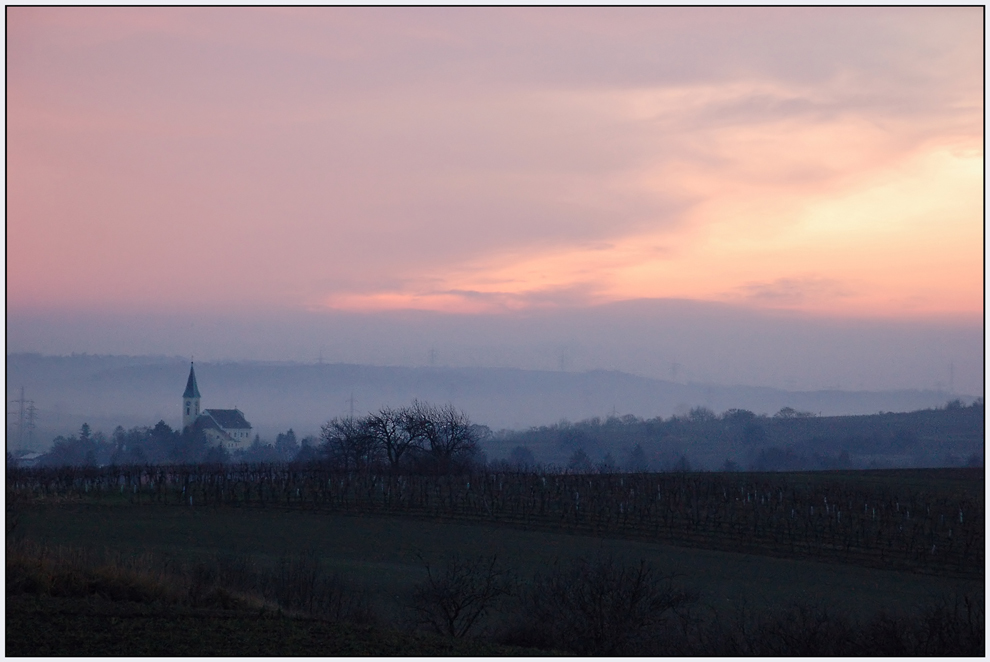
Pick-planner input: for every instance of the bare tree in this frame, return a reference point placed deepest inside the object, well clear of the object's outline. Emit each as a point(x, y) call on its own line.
point(348, 443)
point(600, 607)
point(453, 598)
point(392, 433)
point(447, 433)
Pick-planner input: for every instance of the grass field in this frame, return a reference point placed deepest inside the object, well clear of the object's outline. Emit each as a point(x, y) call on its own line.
point(381, 558)
point(44, 627)
point(385, 554)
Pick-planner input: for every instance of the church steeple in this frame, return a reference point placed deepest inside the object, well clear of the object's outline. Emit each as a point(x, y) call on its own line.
point(190, 400)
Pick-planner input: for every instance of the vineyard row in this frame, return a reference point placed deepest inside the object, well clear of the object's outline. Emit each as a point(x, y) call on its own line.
point(926, 531)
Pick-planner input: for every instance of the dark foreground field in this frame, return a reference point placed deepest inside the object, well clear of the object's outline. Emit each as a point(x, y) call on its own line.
point(42, 626)
point(106, 576)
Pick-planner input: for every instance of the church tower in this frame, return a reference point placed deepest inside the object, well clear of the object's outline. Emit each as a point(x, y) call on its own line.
point(190, 400)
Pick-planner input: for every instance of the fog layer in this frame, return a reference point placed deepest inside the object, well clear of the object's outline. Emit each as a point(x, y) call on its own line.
point(673, 340)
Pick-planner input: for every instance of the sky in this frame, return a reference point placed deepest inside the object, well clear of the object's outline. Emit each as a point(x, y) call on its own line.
point(484, 165)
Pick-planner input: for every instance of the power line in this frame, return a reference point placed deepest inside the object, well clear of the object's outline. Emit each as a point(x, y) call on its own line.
point(20, 419)
point(25, 423)
point(32, 413)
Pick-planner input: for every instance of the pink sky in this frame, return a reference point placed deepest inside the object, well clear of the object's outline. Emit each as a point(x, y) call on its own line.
point(824, 160)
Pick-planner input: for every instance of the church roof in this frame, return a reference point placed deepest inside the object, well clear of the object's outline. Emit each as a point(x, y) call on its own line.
point(228, 419)
point(192, 391)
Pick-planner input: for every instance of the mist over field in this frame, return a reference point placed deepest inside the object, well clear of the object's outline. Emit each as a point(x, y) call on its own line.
point(673, 340)
point(645, 358)
point(106, 391)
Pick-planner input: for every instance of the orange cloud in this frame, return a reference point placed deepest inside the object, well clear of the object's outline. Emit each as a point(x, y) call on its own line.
point(818, 159)
point(876, 230)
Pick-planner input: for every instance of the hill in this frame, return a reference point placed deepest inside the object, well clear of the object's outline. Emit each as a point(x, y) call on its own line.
point(114, 390)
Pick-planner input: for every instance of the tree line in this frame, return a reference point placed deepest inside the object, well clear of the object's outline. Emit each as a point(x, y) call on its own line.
point(421, 437)
point(739, 439)
point(161, 444)
point(432, 438)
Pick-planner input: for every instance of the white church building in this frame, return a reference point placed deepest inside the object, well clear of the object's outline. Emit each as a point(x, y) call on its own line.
point(226, 427)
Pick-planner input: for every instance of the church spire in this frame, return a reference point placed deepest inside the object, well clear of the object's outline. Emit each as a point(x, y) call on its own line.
point(192, 391)
point(190, 400)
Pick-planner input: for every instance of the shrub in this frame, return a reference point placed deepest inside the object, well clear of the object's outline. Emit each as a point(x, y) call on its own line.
point(457, 595)
point(598, 607)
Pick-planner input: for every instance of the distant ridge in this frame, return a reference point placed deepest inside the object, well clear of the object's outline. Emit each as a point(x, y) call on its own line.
point(277, 395)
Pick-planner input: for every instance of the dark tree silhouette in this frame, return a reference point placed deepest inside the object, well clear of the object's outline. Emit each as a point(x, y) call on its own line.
point(286, 445)
point(579, 462)
point(395, 433)
point(600, 606)
point(521, 458)
point(348, 444)
point(637, 460)
point(459, 593)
